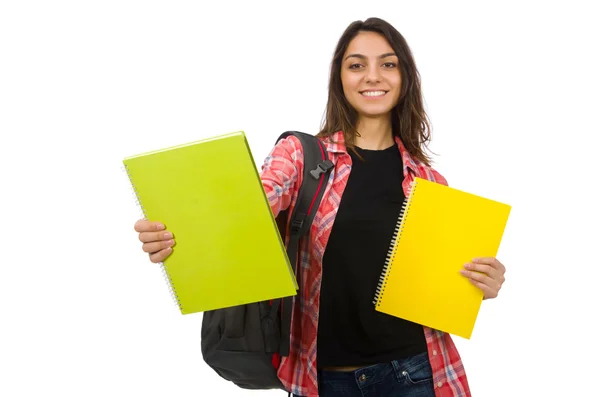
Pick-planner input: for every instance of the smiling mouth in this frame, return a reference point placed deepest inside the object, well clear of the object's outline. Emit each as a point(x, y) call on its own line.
point(373, 94)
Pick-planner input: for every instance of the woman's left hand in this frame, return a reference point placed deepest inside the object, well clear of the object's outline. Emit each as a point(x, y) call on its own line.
point(487, 274)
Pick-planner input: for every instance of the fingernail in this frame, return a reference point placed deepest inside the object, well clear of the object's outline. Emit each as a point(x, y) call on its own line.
point(168, 235)
point(160, 226)
point(467, 265)
point(462, 271)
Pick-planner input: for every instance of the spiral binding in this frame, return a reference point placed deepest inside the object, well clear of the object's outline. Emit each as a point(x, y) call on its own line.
point(166, 276)
point(392, 250)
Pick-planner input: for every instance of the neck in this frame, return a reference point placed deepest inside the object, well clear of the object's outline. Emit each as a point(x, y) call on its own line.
point(374, 133)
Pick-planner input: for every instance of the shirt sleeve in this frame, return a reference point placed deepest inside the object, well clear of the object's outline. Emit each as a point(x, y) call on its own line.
point(279, 173)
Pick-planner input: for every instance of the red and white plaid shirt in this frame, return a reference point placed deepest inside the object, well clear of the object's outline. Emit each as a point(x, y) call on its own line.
point(281, 175)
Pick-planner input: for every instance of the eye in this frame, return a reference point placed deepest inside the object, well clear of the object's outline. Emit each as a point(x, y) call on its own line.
point(355, 66)
point(389, 65)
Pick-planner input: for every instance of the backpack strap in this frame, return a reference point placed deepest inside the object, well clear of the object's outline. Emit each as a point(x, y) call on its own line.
point(317, 168)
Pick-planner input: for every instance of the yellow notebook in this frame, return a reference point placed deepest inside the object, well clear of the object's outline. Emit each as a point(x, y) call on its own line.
point(439, 230)
point(228, 250)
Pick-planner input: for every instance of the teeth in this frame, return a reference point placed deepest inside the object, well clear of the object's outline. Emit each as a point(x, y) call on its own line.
point(373, 93)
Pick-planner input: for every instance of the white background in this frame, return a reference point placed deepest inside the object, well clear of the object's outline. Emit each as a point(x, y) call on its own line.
point(512, 92)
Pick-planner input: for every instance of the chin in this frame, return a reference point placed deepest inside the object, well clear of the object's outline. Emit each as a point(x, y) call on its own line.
point(372, 109)
point(374, 113)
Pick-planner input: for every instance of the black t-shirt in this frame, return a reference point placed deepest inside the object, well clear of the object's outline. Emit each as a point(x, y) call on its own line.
point(351, 332)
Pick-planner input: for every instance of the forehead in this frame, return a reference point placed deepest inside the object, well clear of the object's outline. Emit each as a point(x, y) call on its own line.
point(369, 44)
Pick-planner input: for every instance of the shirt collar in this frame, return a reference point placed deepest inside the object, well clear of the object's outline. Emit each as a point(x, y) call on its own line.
point(335, 143)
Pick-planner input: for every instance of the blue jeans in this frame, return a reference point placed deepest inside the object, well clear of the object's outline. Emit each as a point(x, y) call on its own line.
point(410, 377)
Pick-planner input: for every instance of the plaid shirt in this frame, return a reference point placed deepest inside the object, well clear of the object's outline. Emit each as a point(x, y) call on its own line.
point(281, 175)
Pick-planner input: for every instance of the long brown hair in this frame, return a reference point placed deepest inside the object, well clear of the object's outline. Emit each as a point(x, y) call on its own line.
point(408, 118)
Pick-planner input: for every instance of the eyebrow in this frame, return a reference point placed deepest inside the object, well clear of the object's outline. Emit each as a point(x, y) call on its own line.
point(361, 56)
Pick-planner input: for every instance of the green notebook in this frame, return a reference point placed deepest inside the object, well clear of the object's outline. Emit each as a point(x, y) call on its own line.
point(228, 250)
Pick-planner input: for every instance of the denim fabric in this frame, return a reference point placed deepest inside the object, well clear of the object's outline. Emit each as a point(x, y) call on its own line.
point(410, 377)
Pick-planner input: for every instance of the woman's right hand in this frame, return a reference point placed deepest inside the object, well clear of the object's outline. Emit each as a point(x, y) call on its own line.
point(157, 241)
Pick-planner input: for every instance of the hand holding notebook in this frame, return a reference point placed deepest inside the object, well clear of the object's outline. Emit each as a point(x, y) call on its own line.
point(157, 241)
point(487, 274)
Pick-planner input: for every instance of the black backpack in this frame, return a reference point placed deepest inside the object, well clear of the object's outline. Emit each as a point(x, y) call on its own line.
point(244, 344)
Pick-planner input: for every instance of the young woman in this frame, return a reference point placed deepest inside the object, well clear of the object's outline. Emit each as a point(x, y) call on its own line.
point(375, 131)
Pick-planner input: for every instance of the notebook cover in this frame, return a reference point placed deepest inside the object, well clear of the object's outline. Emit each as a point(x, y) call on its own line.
point(440, 229)
point(228, 250)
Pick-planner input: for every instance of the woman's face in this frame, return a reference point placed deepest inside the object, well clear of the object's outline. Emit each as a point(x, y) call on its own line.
point(371, 75)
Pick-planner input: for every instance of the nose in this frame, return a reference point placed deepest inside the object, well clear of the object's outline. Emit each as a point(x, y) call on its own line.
point(373, 74)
